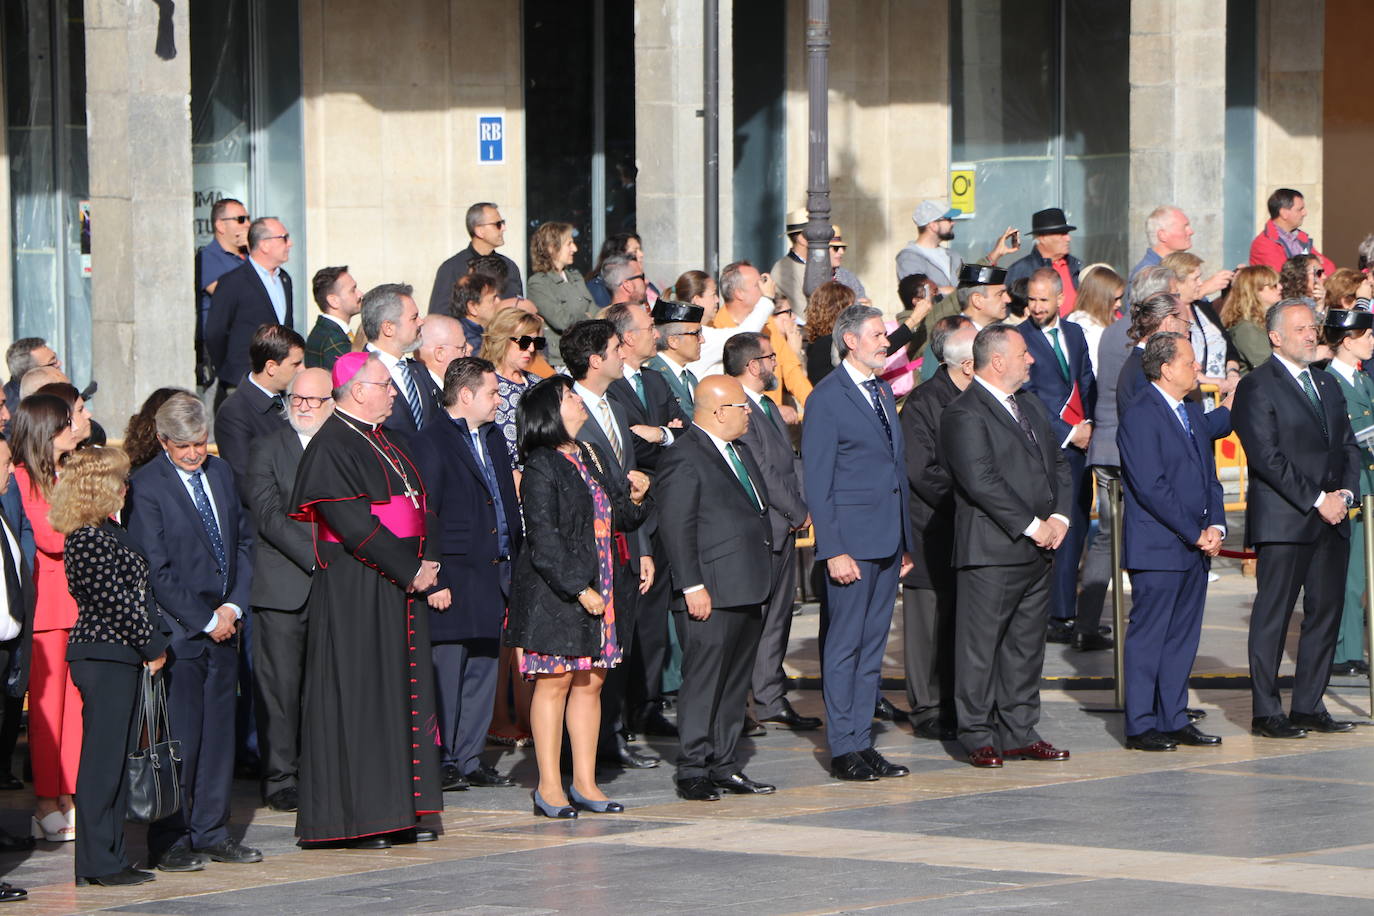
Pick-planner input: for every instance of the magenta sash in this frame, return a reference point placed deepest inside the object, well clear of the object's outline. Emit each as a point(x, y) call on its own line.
point(399, 516)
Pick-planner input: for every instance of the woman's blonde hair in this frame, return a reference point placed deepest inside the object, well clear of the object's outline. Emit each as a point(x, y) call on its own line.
point(545, 243)
point(508, 323)
point(1243, 303)
point(1342, 287)
point(90, 489)
point(1182, 263)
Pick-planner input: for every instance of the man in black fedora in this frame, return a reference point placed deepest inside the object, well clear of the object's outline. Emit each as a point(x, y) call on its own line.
point(1051, 249)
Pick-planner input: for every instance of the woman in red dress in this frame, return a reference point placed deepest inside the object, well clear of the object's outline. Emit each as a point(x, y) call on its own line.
point(42, 435)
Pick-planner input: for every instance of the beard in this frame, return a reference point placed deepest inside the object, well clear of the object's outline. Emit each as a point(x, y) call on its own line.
point(770, 382)
point(947, 235)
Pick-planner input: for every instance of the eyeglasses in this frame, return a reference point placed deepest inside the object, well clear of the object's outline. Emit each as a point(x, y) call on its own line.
point(839, 247)
point(634, 278)
point(782, 312)
point(525, 342)
point(313, 403)
point(772, 356)
point(740, 406)
point(363, 381)
point(696, 333)
point(499, 224)
point(285, 237)
point(241, 218)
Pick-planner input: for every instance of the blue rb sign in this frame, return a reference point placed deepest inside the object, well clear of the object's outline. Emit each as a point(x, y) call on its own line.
point(491, 138)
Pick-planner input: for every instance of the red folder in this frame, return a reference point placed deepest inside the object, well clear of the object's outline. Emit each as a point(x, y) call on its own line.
point(1072, 412)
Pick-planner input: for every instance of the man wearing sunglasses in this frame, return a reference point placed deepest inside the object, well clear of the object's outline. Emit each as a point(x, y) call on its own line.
point(225, 252)
point(486, 233)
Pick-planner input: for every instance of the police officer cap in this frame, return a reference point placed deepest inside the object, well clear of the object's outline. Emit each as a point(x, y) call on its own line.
point(1349, 320)
point(667, 312)
point(981, 275)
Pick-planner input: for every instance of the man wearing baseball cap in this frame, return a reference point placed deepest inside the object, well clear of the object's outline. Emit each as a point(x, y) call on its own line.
point(934, 221)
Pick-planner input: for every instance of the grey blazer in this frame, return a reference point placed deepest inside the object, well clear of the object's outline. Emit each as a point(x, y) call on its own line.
point(782, 470)
point(285, 553)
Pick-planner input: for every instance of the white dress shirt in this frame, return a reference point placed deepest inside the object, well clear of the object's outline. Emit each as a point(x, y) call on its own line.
point(10, 624)
point(713, 340)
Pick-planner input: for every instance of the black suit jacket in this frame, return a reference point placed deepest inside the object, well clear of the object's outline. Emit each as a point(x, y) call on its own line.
point(240, 304)
point(929, 484)
point(401, 420)
point(17, 677)
point(1290, 460)
point(771, 447)
point(661, 410)
point(592, 434)
point(186, 580)
point(1001, 479)
point(457, 493)
point(285, 555)
point(715, 536)
point(244, 419)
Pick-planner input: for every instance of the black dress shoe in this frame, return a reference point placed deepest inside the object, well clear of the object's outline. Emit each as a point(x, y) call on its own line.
point(1194, 714)
point(697, 788)
point(11, 843)
point(1060, 630)
point(1190, 735)
point(486, 777)
point(654, 723)
point(934, 730)
point(1275, 727)
point(381, 841)
point(1319, 722)
point(1151, 740)
point(126, 878)
point(452, 778)
point(1344, 669)
point(230, 851)
point(752, 729)
point(413, 835)
point(743, 785)
point(10, 783)
point(852, 767)
point(790, 718)
point(284, 799)
point(179, 858)
point(886, 712)
point(625, 756)
point(1362, 668)
point(1092, 642)
point(9, 893)
point(881, 765)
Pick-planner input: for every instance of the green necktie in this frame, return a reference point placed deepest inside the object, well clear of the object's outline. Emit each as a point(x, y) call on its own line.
point(1059, 353)
point(743, 475)
point(639, 388)
point(768, 410)
point(689, 384)
point(1306, 378)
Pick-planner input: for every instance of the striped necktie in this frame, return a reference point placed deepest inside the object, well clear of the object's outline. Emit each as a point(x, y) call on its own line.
point(608, 423)
point(412, 392)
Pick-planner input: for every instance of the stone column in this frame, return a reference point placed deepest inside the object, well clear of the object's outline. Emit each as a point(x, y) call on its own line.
point(1288, 118)
point(142, 254)
point(1178, 118)
point(668, 135)
point(6, 259)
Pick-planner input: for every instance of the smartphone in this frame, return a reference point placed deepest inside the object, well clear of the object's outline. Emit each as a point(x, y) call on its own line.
point(1014, 238)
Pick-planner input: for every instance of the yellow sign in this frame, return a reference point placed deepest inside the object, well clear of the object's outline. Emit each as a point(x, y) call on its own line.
point(961, 182)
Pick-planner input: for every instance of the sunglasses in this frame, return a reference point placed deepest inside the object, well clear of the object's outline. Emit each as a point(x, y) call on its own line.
point(525, 342)
point(285, 237)
point(499, 224)
point(235, 219)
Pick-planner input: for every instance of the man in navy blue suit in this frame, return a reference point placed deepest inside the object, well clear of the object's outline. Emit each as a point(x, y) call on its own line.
point(1062, 378)
point(854, 464)
point(186, 517)
point(1174, 522)
point(257, 293)
point(463, 461)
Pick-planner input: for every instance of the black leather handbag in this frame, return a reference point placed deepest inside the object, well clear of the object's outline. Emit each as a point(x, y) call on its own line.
point(153, 771)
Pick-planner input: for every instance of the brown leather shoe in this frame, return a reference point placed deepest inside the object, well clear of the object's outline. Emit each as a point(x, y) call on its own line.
point(985, 756)
point(1040, 750)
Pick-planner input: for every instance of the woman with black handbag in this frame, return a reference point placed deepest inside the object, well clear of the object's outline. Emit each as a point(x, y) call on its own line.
point(117, 633)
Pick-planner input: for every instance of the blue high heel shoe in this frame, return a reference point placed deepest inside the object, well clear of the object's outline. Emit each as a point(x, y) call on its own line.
point(596, 807)
point(548, 810)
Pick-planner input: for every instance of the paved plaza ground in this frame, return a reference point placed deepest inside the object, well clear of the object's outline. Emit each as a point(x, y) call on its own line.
point(1254, 826)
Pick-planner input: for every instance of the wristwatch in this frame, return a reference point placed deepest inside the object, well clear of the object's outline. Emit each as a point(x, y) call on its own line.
point(1348, 499)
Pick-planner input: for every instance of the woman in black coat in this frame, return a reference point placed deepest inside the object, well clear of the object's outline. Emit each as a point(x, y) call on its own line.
point(117, 632)
point(562, 606)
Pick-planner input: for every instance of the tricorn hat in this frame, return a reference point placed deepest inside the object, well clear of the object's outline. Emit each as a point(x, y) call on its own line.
point(981, 275)
point(1349, 320)
point(1050, 222)
point(667, 311)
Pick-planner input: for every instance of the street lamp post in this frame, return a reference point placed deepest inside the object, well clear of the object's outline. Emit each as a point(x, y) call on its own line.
point(818, 146)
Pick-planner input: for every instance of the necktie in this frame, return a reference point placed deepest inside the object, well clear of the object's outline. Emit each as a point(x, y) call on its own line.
point(13, 589)
point(412, 393)
point(1187, 426)
point(639, 388)
point(608, 423)
point(743, 475)
point(489, 475)
point(1021, 418)
point(1306, 378)
point(1059, 353)
point(689, 382)
point(769, 410)
point(875, 395)
point(207, 518)
point(279, 403)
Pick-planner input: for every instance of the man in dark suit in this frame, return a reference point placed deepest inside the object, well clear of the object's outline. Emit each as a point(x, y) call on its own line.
point(391, 323)
point(257, 293)
point(655, 418)
point(257, 408)
point(928, 590)
point(591, 353)
point(712, 493)
point(1012, 496)
point(749, 358)
point(471, 489)
point(16, 630)
point(1174, 522)
point(187, 519)
point(854, 462)
point(336, 293)
point(282, 566)
point(1062, 378)
point(15, 672)
point(1304, 477)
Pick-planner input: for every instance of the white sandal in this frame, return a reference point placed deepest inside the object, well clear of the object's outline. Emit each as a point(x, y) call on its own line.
point(52, 827)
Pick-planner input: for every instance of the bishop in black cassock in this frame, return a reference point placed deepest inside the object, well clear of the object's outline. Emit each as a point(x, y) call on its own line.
point(369, 755)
